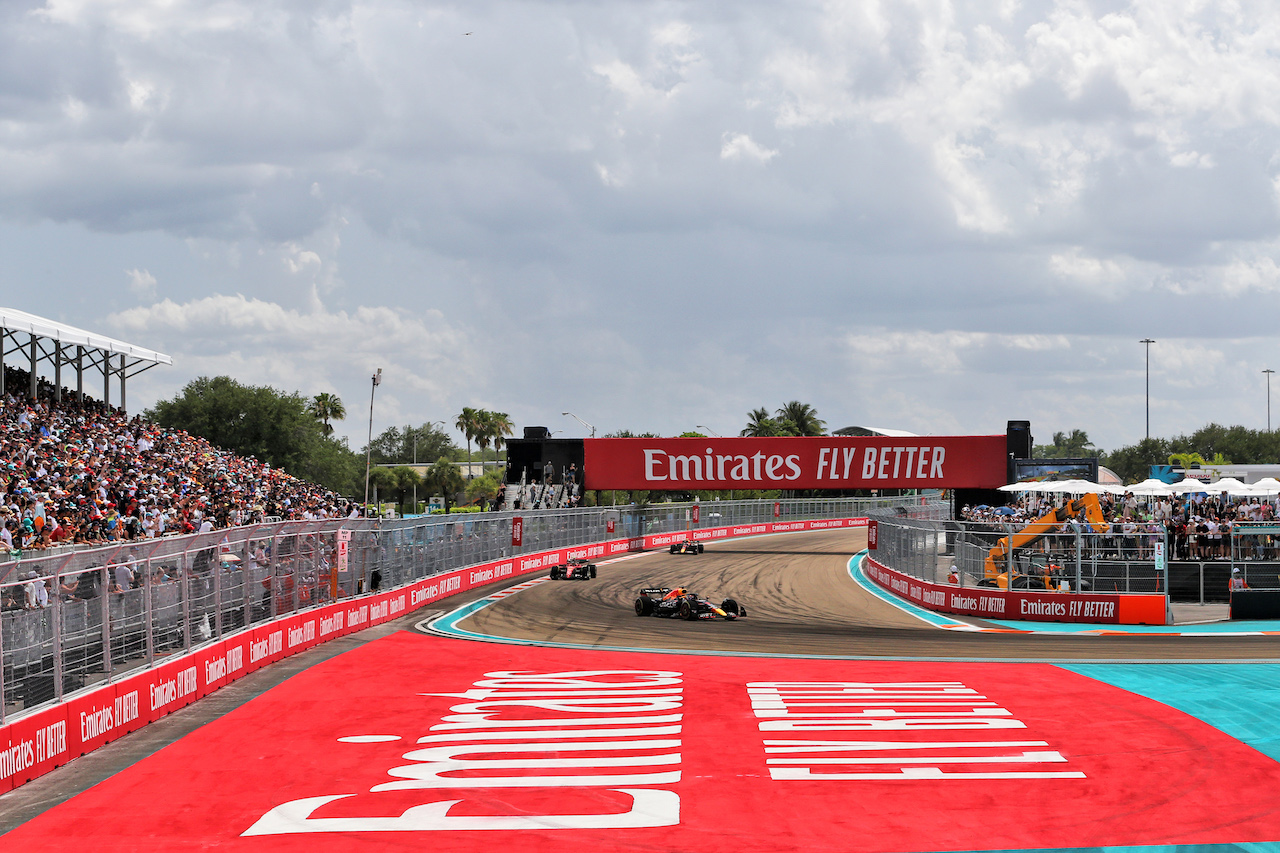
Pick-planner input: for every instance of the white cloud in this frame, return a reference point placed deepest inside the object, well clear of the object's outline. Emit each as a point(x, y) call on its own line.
point(142, 284)
point(739, 146)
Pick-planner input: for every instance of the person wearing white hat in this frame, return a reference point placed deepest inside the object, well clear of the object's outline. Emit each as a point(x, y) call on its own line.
point(1237, 581)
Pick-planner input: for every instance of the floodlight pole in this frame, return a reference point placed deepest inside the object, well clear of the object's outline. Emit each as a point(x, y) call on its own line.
point(1268, 372)
point(1148, 342)
point(708, 429)
point(368, 448)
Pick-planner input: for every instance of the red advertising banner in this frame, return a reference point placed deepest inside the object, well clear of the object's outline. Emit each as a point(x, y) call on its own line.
point(695, 513)
point(873, 533)
point(517, 531)
point(1022, 605)
point(823, 462)
point(610, 526)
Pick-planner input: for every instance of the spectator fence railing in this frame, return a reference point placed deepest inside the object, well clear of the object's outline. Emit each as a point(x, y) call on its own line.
point(1075, 557)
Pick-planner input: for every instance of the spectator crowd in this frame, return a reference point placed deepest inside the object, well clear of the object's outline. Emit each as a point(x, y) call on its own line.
point(1199, 525)
point(85, 473)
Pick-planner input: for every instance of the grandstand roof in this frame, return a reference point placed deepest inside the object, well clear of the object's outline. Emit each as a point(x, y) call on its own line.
point(20, 321)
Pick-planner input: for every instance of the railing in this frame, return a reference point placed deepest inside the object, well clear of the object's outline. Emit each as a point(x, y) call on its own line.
point(1074, 558)
point(107, 612)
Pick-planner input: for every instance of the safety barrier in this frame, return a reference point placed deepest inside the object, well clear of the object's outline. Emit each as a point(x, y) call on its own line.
point(1071, 575)
point(269, 629)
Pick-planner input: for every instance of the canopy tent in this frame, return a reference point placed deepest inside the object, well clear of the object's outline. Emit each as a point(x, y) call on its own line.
point(61, 345)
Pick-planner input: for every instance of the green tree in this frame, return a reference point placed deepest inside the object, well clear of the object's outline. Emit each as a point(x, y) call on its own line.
point(803, 417)
point(327, 406)
point(261, 422)
point(1133, 463)
point(761, 425)
point(498, 426)
point(1072, 445)
point(445, 479)
point(396, 444)
point(468, 423)
point(382, 484)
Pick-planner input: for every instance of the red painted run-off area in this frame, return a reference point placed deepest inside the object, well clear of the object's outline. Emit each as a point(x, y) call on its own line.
point(47, 739)
point(430, 743)
point(1095, 608)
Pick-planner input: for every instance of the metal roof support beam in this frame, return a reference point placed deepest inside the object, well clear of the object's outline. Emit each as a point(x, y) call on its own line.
point(57, 374)
point(34, 380)
point(79, 375)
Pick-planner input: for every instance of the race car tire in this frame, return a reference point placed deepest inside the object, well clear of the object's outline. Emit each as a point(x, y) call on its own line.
point(730, 606)
point(593, 571)
point(674, 548)
point(686, 610)
point(644, 606)
point(555, 573)
point(700, 547)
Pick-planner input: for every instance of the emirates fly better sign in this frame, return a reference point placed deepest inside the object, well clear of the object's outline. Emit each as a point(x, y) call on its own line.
point(825, 462)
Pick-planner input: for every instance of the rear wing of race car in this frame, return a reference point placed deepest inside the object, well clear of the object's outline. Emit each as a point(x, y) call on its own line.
point(655, 590)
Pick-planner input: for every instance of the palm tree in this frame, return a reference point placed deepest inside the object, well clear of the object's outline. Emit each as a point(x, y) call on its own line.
point(445, 479)
point(804, 417)
point(468, 423)
point(325, 406)
point(759, 424)
point(500, 426)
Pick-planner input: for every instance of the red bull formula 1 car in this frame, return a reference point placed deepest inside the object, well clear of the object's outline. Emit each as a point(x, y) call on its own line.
point(576, 569)
point(688, 546)
point(680, 602)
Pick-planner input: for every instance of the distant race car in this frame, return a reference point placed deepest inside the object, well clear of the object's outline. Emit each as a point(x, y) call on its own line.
point(576, 569)
point(688, 546)
point(679, 602)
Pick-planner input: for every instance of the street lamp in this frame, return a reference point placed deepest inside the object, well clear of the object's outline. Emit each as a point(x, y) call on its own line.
point(581, 421)
point(708, 429)
point(368, 449)
point(1148, 342)
point(1268, 372)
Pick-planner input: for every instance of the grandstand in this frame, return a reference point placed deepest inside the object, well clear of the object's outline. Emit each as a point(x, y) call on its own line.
point(77, 472)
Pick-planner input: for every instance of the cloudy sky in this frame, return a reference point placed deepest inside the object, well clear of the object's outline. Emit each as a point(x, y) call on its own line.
point(928, 216)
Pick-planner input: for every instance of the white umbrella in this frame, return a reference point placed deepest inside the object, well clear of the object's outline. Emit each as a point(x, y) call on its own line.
point(1027, 486)
point(1189, 486)
point(1150, 486)
point(1081, 487)
point(1265, 486)
point(1230, 485)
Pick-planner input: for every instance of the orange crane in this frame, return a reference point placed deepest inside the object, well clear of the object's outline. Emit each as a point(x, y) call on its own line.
point(997, 559)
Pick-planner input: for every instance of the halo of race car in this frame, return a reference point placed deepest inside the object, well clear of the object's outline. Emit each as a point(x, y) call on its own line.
point(683, 604)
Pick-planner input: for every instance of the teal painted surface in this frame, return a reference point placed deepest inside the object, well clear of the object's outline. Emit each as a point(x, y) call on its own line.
point(1242, 700)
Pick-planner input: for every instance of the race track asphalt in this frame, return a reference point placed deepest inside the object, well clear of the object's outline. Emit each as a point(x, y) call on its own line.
point(800, 600)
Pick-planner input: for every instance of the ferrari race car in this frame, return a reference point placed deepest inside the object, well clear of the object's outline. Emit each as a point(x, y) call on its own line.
point(576, 569)
point(661, 601)
point(688, 546)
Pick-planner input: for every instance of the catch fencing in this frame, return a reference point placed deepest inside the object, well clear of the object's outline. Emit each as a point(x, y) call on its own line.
point(76, 619)
point(1073, 558)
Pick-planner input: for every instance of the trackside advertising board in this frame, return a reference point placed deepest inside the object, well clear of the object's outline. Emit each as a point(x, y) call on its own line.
point(824, 462)
point(36, 744)
point(1023, 605)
